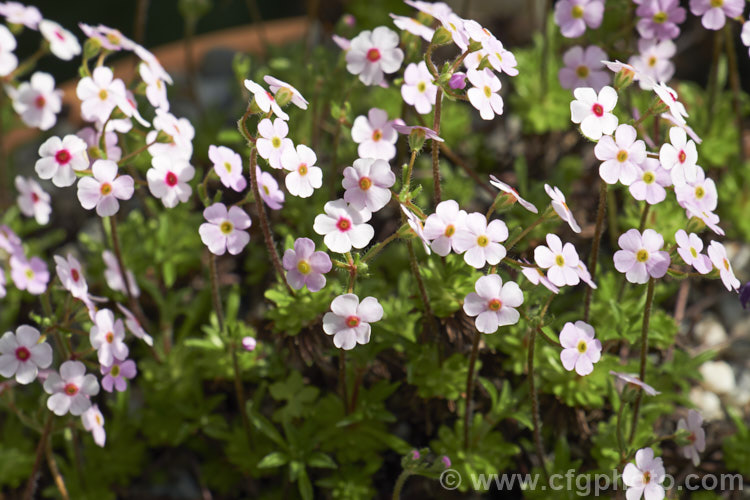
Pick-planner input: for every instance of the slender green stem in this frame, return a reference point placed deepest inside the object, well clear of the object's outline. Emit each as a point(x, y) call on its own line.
point(138, 151)
point(342, 380)
point(379, 247)
point(644, 217)
point(620, 440)
point(644, 353)
point(215, 294)
point(527, 231)
point(428, 314)
point(470, 387)
point(535, 405)
point(31, 483)
point(400, 484)
point(132, 302)
point(264, 223)
point(601, 210)
point(436, 147)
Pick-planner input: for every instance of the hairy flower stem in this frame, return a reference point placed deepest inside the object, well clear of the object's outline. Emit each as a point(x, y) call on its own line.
point(429, 316)
point(55, 471)
point(436, 147)
point(713, 79)
point(644, 217)
point(734, 81)
point(379, 247)
point(535, 405)
point(134, 305)
point(264, 223)
point(644, 352)
point(601, 210)
point(215, 296)
point(410, 169)
point(470, 387)
point(526, 231)
point(400, 484)
point(30, 485)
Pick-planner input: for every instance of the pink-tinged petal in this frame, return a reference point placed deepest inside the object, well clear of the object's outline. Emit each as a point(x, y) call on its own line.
point(337, 242)
point(88, 192)
point(474, 304)
point(41, 355)
point(295, 279)
point(345, 339)
point(544, 257)
point(216, 213)
point(333, 323)
point(361, 235)
point(624, 260)
point(236, 241)
point(630, 240)
point(59, 404)
point(511, 294)
point(315, 282)
point(569, 336)
point(213, 238)
point(370, 310)
point(658, 264)
point(494, 253)
point(73, 369)
point(238, 218)
point(489, 287)
point(8, 365)
point(26, 373)
point(304, 248)
point(475, 257)
point(79, 404)
point(345, 305)
point(107, 206)
point(507, 316)
point(569, 357)
point(27, 336)
point(637, 274)
point(584, 366)
point(487, 322)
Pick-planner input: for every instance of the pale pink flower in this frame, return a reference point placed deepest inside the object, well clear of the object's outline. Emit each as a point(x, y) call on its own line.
point(70, 389)
point(620, 155)
point(62, 43)
point(375, 135)
point(413, 26)
point(179, 129)
point(650, 183)
point(537, 277)
point(225, 229)
point(573, 16)
point(156, 88)
point(644, 478)
point(305, 266)
point(105, 188)
point(585, 275)
point(373, 53)
point(71, 276)
point(113, 276)
point(303, 177)
point(344, 226)
point(107, 336)
point(561, 207)
point(484, 93)
point(416, 225)
point(92, 138)
point(418, 89)
point(408, 130)
point(480, 240)
point(690, 132)
point(493, 303)
point(31, 275)
point(583, 68)
point(93, 421)
point(22, 355)
point(275, 85)
point(659, 18)
point(153, 63)
point(59, 158)
point(718, 255)
point(228, 166)
point(561, 261)
point(129, 107)
point(33, 201)
point(367, 183)
point(632, 380)
point(697, 436)
point(10, 242)
point(8, 60)
point(505, 188)
point(680, 153)
point(689, 246)
point(343, 43)
point(715, 12)
point(269, 189)
point(653, 61)
point(700, 194)
point(168, 180)
point(272, 140)
point(669, 97)
point(455, 26)
point(265, 100)
point(441, 226)
point(710, 219)
point(131, 322)
point(433, 9)
point(249, 343)
point(594, 112)
point(580, 349)
point(641, 256)
point(501, 60)
point(100, 94)
point(17, 13)
point(110, 38)
point(117, 374)
point(349, 321)
point(37, 101)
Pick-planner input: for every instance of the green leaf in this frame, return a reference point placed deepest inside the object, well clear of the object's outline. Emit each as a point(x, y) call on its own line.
point(273, 459)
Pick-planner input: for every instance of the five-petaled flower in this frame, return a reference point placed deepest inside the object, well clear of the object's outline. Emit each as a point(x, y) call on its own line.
point(580, 349)
point(21, 354)
point(641, 256)
point(70, 389)
point(349, 321)
point(305, 266)
point(494, 303)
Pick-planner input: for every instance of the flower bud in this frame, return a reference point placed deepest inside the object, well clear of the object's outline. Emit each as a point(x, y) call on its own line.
point(474, 46)
point(457, 81)
point(91, 48)
point(441, 37)
point(624, 78)
point(249, 343)
point(254, 108)
point(283, 96)
point(164, 137)
point(416, 139)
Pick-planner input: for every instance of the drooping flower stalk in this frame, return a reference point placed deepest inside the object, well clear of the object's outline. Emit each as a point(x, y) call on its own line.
point(644, 352)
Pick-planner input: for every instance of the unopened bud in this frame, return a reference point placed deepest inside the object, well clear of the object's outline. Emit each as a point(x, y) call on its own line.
point(457, 81)
point(283, 96)
point(91, 48)
point(441, 37)
point(164, 137)
point(624, 78)
point(416, 139)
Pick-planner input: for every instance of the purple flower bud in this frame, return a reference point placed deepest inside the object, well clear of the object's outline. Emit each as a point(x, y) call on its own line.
point(745, 295)
point(248, 343)
point(414, 455)
point(349, 20)
point(446, 461)
point(458, 81)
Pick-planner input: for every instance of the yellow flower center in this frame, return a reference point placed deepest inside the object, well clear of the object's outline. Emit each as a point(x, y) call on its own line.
point(302, 169)
point(105, 189)
point(622, 155)
point(560, 260)
point(660, 17)
point(693, 252)
point(483, 241)
point(700, 192)
point(421, 87)
point(487, 91)
point(717, 3)
point(304, 267)
point(726, 264)
point(576, 12)
point(29, 273)
point(582, 346)
point(365, 183)
point(226, 227)
point(276, 142)
point(648, 177)
point(450, 230)
point(642, 255)
point(582, 71)
point(495, 304)
point(652, 61)
point(228, 166)
point(377, 135)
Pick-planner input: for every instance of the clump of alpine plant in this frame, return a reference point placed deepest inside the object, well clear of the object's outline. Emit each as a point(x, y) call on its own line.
point(349, 320)
point(494, 303)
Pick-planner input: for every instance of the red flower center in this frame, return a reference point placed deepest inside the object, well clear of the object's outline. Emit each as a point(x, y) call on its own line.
point(352, 321)
point(34, 197)
point(171, 179)
point(682, 156)
point(71, 389)
point(377, 135)
point(598, 109)
point(373, 55)
point(110, 337)
point(75, 275)
point(344, 224)
point(105, 189)
point(62, 157)
point(495, 304)
point(365, 183)
point(270, 95)
point(40, 101)
point(22, 354)
point(59, 36)
point(302, 169)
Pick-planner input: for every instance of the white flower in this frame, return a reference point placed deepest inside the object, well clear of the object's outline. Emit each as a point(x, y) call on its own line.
point(33, 201)
point(181, 131)
point(62, 42)
point(156, 88)
point(441, 226)
point(680, 154)
point(669, 97)
point(275, 84)
point(375, 135)
point(8, 60)
point(37, 101)
point(689, 246)
point(561, 207)
point(493, 303)
point(481, 241)
point(93, 421)
point(303, 177)
point(644, 478)
point(344, 226)
point(349, 321)
point(105, 188)
point(650, 183)
point(17, 13)
point(367, 183)
point(228, 166)
point(505, 188)
point(107, 337)
point(701, 193)
point(413, 26)
point(621, 155)
point(653, 61)
point(697, 436)
point(59, 158)
point(484, 93)
point(70, 389)
point(560, 261)
point(580, 349)
point(71, 276)
point(718, 255)
point(416, 225)
point(21, 354)
point(272, 140)
point(373, 53)
point(418, 89)
point(594, 112)
point(100, 94)
point(113, 276)
point(168, 180)
point(265, 100)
